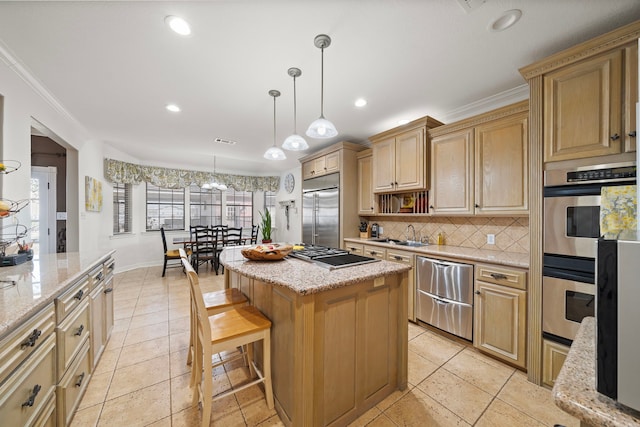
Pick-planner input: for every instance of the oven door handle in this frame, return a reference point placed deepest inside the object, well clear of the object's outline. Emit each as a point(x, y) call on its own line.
point(577, 276)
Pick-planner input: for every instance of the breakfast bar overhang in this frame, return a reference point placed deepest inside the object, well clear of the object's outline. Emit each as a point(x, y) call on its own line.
point(338, 338)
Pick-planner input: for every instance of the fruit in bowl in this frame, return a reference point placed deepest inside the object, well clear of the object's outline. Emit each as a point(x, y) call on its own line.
point(5, 207)
point(267, 252)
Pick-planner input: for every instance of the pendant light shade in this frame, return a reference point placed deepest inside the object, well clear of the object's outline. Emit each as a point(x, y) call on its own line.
point(295, 142)
point(274, 152)
point(322, 128)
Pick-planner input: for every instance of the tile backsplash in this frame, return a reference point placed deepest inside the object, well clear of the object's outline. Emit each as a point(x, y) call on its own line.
point(511, 233)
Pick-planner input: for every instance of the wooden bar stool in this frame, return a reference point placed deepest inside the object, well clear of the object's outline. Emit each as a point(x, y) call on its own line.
point(214, 302)
point(225, 332)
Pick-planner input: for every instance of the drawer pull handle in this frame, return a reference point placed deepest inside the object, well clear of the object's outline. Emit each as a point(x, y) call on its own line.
point(477, 292)
point(615, 137)
point(79, 331)
point(79, 295)
point(498, 276)
point(373, 252)
point(31, 400)
point(632, 134)
point(31, 340)
point(99, 277)
point(440, 301)
point(80, 379)
point(398, 257)
point(106, 291)
point(112, 266)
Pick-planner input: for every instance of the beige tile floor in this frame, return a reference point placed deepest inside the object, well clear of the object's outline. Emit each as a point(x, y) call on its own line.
point(142, 378)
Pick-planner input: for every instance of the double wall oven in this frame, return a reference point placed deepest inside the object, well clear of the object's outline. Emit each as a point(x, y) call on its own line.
point(571, 230)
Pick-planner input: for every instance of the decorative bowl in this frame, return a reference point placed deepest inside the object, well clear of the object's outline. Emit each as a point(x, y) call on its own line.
point(267, 252)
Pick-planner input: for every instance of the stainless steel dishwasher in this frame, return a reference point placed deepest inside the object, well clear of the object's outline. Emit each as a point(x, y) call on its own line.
point(445, 295)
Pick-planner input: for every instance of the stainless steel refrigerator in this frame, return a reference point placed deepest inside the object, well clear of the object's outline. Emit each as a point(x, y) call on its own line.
point(320, 211)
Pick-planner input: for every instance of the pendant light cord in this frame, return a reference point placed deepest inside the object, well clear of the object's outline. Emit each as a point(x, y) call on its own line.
point(274, 121)
point(322, 82)
point(295, 117)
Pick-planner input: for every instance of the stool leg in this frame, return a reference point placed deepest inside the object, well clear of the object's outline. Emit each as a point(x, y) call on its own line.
point(266, 360)
point(252, 371)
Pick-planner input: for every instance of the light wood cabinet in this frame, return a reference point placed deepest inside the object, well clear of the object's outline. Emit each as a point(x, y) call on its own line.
point(73, 385)
point(375, 252)
point(354, 248)
point(365, 183)
point(408, 258)
point(323, 165)
point(400, 157)
point(479, 165)
point(500, 313)
point(553, 356)
point(589, 106)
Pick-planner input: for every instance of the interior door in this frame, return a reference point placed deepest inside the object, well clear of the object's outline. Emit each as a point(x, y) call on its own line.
point(43, 209)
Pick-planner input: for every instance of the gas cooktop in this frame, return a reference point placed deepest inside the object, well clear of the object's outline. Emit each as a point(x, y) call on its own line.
point(331, 258)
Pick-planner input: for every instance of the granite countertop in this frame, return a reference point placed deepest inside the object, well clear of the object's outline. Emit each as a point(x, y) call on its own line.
point(512, 259)
point(575, 388)
point(306, 277)
point(39, 282)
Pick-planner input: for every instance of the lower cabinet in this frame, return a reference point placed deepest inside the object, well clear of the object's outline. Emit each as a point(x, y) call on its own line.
point(354, 248)
point(72, 386)
point(375, 252)
point(500, 313)
point(407, 258)
point(553, 356)
point(98, 338)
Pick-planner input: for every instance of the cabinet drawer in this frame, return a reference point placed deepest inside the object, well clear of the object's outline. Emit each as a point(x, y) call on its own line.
point(96, 276)
point(401, 257)
point(502, 276)
point(375, 252)
point(110, 267)
point(22, 342)
point(26, 393)
point(72, 386)
point(354, 248)
point(48, 415)
point(66, 302)
point(71, 334)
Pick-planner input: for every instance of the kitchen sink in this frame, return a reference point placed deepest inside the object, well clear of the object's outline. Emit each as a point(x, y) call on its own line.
point(400, 242)
point(386, 240)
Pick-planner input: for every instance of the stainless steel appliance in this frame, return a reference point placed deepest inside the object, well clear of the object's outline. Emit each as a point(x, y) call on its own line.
point(617, 344)
point(375, 230)
point(320, 211)
point(445, 295)
point(331, 258)
point(571, 230)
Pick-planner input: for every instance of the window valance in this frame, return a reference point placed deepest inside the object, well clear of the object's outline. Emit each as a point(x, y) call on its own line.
point(129, 173)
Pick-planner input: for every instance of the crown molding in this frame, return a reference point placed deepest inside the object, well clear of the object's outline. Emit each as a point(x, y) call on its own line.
point(507, 97)
point(23, 72)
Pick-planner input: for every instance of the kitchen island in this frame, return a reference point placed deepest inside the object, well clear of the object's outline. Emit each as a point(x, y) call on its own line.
point(339, 337)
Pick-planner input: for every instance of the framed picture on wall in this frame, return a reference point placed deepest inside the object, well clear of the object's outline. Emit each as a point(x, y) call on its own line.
point(92, 194)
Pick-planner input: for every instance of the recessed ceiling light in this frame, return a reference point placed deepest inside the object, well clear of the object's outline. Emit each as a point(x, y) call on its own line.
point(173, 108)
point(360, 102)
point(403, 122)
point(507, 20)
point(178, 25)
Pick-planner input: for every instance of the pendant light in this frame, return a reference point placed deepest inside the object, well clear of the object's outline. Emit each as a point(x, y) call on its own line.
point(274, 153)
point(322, 128)
point(295, 142)
point(213, 185)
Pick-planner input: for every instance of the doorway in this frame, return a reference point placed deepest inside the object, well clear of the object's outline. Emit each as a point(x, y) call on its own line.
point(43, 228)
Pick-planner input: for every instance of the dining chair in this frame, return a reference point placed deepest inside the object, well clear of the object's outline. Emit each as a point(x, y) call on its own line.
point(233, 236)
point(204, 248)
point(226, 331)
point(169, 255)
point(254, 234)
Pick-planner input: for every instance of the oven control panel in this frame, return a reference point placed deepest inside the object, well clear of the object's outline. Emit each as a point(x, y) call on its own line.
point(590, 174)
point(625, 172)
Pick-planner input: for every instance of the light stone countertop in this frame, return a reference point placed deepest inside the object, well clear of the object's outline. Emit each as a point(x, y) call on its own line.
point(512, 259)
point(39, 282)
point(575, 388)
point(306, 277)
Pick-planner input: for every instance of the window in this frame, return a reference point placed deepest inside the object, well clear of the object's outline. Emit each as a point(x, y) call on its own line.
point(165, 208)
point(270, 202)
point(205, 206)
point(121, 208)
point(239, 208)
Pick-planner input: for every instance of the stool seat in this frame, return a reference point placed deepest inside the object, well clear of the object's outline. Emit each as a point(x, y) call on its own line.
point(218, 301)
point(236, 323)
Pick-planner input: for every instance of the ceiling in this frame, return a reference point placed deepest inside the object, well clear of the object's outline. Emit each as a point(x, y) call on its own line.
point(113, 66)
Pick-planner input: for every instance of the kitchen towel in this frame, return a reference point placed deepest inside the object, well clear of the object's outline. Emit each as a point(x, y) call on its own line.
point(618, 210)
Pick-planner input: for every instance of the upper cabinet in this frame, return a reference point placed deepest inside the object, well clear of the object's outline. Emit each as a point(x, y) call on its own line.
point(321, 165)
point(400, 157)
point(479, 165)
point(586, 97)
point(365, 183)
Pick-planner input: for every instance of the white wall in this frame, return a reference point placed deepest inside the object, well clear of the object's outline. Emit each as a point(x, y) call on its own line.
point(294, 234)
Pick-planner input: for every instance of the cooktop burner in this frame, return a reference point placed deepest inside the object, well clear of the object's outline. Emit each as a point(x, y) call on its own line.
point(331, 258)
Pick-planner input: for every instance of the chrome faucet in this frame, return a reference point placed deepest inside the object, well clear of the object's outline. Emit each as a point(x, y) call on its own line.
point(410, 226)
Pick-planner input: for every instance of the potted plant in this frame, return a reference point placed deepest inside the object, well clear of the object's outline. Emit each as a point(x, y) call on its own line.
point(266, 226)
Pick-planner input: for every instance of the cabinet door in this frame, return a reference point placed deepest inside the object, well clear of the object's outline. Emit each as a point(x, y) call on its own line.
point(630, 96)
point(582, 105)
point(409, 259)
point(410, 160)
point(98, 337)
point(365, 185)
point(553, 357)
point(108, 310)
point(501, 166)
point(332, 162)
point(384, 165)
point(500, 322)
point(307, 169)
point(452, 173)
